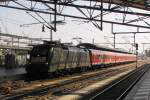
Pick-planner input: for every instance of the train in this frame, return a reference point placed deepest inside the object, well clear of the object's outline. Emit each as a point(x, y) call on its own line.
point(53, 57)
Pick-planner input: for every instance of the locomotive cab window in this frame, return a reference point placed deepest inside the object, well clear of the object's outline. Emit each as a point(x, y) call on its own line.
point(39, 50)
point(39, 54)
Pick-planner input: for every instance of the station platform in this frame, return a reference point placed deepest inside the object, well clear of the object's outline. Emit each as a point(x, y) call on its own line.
point(141, 91)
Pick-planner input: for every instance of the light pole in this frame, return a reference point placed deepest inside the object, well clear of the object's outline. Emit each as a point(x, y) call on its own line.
point(93, 41)
point(114, 39)
point(113, 34)
point(136, 45)
point(51, 35)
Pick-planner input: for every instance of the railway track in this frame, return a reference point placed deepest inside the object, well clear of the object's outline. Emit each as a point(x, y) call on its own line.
point(14, 77)
point(62, 88)
point(42, 91)
point(119, 89)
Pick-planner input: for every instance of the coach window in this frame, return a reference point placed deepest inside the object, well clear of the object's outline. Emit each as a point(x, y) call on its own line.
point(104, 56)
point(101, 57)
point(98, 56)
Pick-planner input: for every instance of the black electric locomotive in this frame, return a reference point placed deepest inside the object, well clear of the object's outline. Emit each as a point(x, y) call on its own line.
point(56, 57)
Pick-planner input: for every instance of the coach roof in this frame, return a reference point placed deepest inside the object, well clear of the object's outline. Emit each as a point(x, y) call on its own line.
point(92, 46)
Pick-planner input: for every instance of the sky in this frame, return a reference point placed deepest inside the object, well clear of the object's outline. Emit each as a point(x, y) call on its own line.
point(10, 21)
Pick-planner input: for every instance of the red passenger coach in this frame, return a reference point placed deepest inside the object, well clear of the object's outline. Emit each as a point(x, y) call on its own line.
point(106, 56)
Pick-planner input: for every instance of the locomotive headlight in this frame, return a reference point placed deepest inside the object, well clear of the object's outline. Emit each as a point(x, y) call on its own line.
point(46, 63)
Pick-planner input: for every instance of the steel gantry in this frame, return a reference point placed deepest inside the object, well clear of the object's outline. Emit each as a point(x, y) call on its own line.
point(93, 11)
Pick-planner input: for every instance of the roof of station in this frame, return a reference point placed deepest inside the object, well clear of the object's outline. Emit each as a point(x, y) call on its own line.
point(141, 4)
point(5, 0)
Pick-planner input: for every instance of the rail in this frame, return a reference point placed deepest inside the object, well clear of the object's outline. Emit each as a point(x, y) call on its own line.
point(119, 89)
